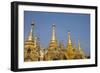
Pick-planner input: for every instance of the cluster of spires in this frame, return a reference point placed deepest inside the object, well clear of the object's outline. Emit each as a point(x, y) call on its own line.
point(53, 38)
point(53, 42)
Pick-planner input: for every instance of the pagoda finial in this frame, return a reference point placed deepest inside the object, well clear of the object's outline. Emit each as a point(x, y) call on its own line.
point(53, 33)
point(69, 38)
point(30, 37)
point(69, 42)
point(79, 44)
point(80, 50)
point(53, 41)
point(33, 22)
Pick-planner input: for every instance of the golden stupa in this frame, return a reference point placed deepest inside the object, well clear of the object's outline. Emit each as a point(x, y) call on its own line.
point(55, 50)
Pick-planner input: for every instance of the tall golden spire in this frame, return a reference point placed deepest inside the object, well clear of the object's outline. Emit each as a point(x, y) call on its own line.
point(81, 51)
point(53, 38)
point(69, 42)
point(79, 45)
point(30, 37)
point(53, 42)
point(70, 49)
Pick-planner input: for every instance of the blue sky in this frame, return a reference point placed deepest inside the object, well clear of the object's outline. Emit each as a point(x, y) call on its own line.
point(77, 24)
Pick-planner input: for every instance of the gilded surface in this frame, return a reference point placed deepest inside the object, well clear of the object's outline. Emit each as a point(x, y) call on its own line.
point(55, 51)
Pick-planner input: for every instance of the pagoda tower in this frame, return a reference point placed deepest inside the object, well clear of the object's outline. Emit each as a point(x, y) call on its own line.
point(69, 42)
point(79, 53)
point(30, 49)
point(69, 48)
point(53, 41)
point(53, 52)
